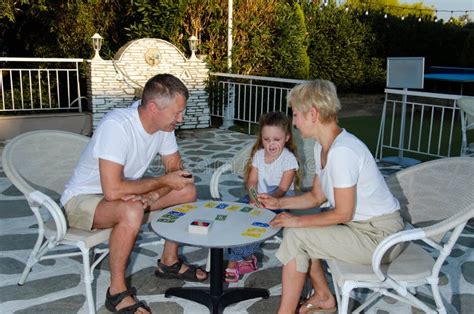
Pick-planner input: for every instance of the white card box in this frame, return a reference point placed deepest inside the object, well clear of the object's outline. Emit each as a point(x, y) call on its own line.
point(200, 226)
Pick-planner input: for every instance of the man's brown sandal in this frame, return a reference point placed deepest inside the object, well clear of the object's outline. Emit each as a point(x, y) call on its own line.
point(172, 272)
point(111, 302)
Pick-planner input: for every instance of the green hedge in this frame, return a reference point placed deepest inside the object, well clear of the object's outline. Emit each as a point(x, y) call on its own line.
point(283, 38)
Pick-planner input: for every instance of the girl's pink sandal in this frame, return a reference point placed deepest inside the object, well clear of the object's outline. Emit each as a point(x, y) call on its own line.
point(247, 266)
point(232, 275)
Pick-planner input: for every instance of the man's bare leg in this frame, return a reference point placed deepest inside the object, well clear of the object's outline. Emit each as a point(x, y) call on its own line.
point(322, 296)
point(125, 219)
point(292, 282)
point(169, 198)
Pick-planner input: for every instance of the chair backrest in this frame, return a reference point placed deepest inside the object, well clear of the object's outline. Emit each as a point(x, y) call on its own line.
point(305, 152)
point(435, 190)
point(42, 160)
point(306, 155)
point(467, 106)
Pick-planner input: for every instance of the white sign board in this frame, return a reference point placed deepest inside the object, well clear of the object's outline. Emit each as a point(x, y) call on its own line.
point(406, 72)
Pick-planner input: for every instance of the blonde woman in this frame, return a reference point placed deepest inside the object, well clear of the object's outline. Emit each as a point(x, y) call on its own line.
point(362, 209)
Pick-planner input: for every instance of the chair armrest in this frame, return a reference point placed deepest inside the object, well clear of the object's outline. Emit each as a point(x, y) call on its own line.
point(389, 242)
point(214, 184)
point(39, 199)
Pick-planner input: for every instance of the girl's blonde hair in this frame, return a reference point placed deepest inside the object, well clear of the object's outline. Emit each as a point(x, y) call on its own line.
point(280, 120)
point(320, 94)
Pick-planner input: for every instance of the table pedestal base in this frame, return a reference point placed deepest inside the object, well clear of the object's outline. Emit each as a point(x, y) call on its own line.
point(215, 297)
point(216, 304)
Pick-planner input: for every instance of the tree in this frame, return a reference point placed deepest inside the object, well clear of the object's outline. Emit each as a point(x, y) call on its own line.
point(339, 47)
point(60, 29)
point(290, 48)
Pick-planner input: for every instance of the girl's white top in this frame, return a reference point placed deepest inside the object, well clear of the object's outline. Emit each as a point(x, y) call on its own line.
point(270, 174)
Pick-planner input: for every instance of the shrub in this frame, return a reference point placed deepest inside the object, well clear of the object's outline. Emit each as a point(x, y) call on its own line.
point(290, 48)
point(339, 47)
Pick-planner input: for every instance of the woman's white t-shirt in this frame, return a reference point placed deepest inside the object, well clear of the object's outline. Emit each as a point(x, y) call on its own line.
point(270, 174)
point(350, 163)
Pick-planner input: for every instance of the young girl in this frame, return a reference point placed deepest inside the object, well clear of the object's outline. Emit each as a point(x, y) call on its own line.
point(271, 169)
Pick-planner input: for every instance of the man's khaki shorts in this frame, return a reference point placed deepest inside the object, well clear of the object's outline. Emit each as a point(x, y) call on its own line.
point(352, 242)
point(80, 210)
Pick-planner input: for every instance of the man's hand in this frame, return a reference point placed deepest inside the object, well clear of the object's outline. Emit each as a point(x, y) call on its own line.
point(269, 201)
point(177, 180)
point(285, 220)
point(147, 199)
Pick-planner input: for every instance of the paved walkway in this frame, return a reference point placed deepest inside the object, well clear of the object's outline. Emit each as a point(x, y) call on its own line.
point(54, 286)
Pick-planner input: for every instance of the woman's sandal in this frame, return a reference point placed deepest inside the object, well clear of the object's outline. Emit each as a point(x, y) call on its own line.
point(111, 302)
point(306, 307)
point(247, 266)
point(172, 272)
point(232, 275)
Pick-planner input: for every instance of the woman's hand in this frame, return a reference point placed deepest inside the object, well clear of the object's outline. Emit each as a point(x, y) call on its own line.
point(177, 180)
point(285, 220)
point(268, 201)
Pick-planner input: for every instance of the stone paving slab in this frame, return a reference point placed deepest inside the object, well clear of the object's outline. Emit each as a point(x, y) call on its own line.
point(54, 286)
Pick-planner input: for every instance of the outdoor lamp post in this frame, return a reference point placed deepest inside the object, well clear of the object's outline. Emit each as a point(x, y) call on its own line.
point(97, 41)
point(193, 46)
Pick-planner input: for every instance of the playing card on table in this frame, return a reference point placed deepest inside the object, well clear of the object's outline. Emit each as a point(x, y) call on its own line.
point(256, 229)
point(181, 209)
point(222, 205)
point(166, 220)
point(246, 209)
point(232, 208)
point(221, 217)
point(175, 213)
point(260, 224)
point(189, 206)
point(169, 216)
point(256, 213)
point(252, 234)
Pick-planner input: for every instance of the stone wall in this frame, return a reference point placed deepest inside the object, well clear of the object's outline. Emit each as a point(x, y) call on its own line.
point(117, 83)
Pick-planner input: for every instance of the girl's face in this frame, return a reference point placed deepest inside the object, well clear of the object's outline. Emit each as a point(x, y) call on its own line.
point(274, 139)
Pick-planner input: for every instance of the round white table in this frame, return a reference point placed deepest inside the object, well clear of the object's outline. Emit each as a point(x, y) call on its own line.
point(242, 224)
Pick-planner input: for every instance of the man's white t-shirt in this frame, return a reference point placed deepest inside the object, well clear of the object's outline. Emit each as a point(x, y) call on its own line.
point(270, 174)
point(350, 163)
point(121, 138)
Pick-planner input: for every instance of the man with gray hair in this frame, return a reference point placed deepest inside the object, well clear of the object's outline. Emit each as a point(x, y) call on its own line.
point(107, 190)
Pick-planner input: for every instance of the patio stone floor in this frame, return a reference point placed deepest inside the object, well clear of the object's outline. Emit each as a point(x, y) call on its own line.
point(54, 286)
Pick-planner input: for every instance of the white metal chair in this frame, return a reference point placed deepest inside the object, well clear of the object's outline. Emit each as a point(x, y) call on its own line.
point(466, 104)
point(437, 199)
point(39, 163)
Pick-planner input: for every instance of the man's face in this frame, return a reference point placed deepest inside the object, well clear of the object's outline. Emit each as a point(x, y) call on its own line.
point(168, 117)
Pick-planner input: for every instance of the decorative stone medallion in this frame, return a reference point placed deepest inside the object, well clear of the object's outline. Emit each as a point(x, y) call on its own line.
point(153, 56)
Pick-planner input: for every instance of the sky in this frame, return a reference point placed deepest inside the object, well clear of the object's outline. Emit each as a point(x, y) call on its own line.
point(449, 5)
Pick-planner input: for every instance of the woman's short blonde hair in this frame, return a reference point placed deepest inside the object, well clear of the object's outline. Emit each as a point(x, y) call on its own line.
point(320, 94)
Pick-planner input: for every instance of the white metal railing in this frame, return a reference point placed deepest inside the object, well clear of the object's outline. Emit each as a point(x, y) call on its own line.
point(244, 97)
point(418, 123)
point(412, 122)
point(40, 84)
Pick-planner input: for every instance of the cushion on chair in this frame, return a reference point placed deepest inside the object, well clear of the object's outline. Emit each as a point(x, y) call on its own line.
point(414, 263)
point(90, 238)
